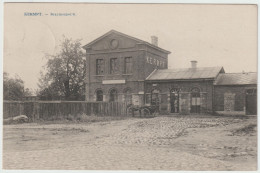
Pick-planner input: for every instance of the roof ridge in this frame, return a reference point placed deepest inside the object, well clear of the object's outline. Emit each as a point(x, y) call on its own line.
point(191, 68)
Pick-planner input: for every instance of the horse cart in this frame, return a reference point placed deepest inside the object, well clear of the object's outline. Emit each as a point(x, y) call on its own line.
point(144, 111)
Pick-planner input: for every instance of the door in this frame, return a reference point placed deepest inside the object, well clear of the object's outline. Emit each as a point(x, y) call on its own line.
point(195, 100)
point(251, 102)
point(155, 100)
point(174, 100)
point(113, 95)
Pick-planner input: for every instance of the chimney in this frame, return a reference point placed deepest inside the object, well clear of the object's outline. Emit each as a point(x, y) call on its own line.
point(193, 64)
point(154, 40)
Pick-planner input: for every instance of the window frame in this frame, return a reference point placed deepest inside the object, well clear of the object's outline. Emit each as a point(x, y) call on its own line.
point(97, 95)
point(128, 63)
point(112, 71)
point(100, 66)
point(113, 92)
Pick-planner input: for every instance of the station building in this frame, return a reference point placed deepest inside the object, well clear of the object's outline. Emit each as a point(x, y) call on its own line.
point(121, 68)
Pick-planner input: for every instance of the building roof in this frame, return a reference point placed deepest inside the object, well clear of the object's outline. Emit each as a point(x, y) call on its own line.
point(186, 73)
point(236, 79)
point(122, 34)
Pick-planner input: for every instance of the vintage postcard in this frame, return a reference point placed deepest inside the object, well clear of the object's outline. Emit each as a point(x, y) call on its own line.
point(114, 86)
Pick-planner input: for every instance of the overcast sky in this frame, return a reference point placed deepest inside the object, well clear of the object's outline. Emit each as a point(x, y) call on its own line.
point(214, 35)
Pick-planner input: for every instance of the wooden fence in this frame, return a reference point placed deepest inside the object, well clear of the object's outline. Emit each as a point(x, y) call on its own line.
point(50, 109)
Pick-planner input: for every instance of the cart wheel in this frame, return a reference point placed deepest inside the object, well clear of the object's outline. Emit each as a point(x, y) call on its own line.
point(146, 112)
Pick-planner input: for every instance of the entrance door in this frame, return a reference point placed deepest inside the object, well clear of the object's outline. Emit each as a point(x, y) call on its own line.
point(251, 102)
point(174, 100)
point(113, 95)
point(195, 100)
point(155, 100)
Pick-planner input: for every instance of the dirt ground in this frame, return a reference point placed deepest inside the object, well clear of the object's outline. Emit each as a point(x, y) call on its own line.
point(192, 142)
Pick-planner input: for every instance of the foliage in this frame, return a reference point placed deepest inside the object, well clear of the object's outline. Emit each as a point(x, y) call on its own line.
point(65, 73)
point(13, 88)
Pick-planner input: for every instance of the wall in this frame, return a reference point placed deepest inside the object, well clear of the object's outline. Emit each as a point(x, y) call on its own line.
point(133, 81)
point(206, 91)
point(126, 48)
point(237, 92)
point(137, 66)
point(154, 60)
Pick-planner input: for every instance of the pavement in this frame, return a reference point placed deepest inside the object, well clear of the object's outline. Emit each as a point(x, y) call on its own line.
point(161, 143)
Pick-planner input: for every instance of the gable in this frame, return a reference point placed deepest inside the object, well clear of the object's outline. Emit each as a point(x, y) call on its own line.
point(112, 41)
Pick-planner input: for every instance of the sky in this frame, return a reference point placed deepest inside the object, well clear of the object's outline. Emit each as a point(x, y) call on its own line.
point(214, 35)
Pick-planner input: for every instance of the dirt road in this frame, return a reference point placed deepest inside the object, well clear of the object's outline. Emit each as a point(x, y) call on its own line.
point(161, 143)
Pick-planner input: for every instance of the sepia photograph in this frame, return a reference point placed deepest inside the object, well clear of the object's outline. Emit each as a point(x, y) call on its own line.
point(130, 86)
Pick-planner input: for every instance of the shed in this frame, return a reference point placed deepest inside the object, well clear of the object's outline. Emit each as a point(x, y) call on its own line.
point(236, 93)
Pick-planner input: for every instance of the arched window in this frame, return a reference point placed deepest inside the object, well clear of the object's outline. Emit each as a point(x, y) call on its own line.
point(113, 95)
point(195, 100)
point(128, 96)
point(99, 95)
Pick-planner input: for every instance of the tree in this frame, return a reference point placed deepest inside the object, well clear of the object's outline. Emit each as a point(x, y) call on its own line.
point(13, 88)
point(28, 92)
point(65, 72)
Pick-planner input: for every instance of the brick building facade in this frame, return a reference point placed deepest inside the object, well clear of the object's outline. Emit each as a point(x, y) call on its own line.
point(122, 68)
point(236, 93)
point(117, 66)
point(185, 91)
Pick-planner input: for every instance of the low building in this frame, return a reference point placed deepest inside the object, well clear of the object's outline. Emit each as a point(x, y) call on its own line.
point(236, 93)
point(187, 90)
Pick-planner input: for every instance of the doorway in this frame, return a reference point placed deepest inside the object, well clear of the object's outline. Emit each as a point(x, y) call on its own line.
point(195, 100)
point(174, 100)
point(251, 101)
point(155, 100)
point(113, 95)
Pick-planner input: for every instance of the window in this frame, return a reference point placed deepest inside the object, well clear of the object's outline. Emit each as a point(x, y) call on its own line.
point(128, 65)
point(99, 95)
point(99, 66)
point(113, 95)
point(114, 66)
